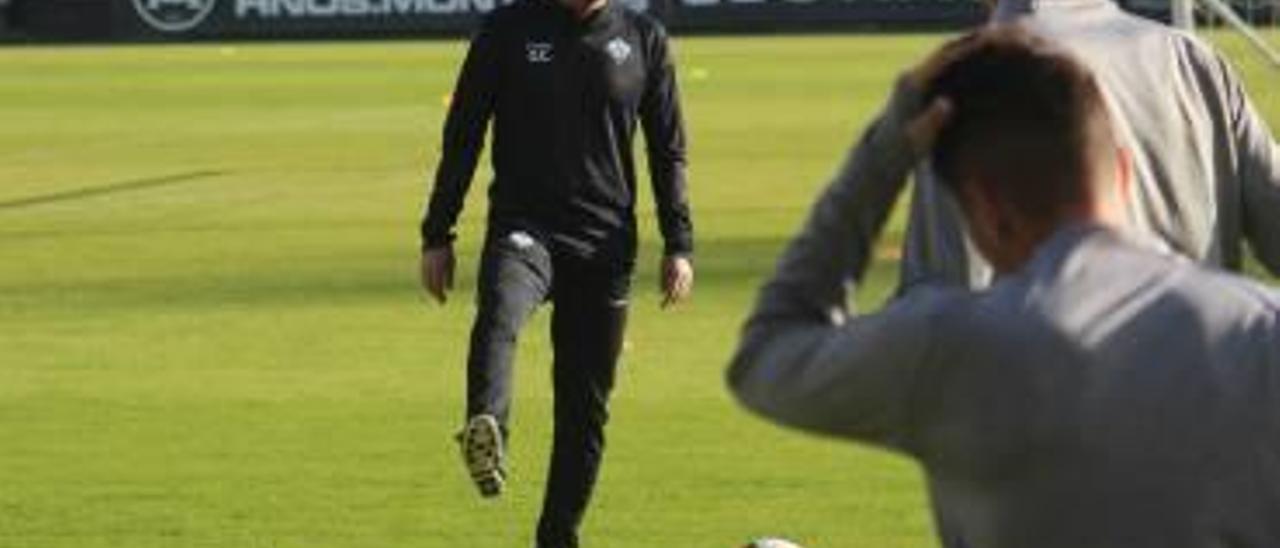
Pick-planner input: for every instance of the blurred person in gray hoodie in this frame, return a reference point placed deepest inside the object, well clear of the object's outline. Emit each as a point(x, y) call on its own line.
point(1206, 166)
point(1098, 394)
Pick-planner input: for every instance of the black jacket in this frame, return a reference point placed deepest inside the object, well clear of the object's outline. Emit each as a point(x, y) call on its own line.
point(565, 95)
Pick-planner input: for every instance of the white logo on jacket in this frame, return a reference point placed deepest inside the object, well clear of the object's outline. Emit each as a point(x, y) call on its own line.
point(619, 50)
point(540, 52)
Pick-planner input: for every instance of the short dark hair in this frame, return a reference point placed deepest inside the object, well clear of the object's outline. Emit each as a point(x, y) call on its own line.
point(1028, 122)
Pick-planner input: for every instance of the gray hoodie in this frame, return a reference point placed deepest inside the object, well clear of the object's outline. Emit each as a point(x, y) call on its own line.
point(1103, 396)
point(1207, 169)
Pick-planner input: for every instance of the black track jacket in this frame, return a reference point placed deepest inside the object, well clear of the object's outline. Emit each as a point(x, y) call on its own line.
point(565, 95)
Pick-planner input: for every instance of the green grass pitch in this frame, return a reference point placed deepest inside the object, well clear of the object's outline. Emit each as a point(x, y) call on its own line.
point(211, 333)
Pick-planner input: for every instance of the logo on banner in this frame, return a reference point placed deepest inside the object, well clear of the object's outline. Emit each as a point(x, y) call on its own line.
point(173, 15)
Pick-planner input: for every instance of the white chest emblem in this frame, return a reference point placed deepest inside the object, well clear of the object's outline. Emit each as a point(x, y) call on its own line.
point(540, 52)
point(619, 50)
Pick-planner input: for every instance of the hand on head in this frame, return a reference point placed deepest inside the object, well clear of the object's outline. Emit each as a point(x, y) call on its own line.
point(1017, 129)
point(925, 125)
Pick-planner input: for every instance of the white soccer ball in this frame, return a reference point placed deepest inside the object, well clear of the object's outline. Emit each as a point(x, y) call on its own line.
point(772, 543)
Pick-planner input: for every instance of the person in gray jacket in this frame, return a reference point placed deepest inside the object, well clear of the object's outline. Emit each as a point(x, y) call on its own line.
point(1206, 167)
point(1099, 394)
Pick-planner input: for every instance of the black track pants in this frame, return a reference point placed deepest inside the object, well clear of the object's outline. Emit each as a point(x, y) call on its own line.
point(518, 273)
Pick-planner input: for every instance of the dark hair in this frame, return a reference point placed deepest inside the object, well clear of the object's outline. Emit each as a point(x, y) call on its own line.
point(1028, 122)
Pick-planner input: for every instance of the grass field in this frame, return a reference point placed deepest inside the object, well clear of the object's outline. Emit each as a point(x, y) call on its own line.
point(211, 334)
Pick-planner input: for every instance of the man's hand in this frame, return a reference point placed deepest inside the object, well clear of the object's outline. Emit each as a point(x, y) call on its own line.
point(677, 279)
point(924, 126)
point(437, 272)
point(923, 130)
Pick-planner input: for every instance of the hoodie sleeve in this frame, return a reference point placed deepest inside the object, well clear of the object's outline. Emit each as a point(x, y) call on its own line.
point(1258, 170)
point(803, 361)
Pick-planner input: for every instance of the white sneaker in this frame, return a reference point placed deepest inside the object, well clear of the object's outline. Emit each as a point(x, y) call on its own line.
point(482, 453)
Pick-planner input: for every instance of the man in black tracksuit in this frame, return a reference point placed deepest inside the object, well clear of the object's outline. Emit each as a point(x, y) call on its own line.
point(565, 82)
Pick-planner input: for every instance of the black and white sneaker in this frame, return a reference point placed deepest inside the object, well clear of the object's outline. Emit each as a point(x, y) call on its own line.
point(482, 452)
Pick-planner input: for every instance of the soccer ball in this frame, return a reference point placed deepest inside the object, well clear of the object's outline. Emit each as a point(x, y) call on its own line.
point(771, 543)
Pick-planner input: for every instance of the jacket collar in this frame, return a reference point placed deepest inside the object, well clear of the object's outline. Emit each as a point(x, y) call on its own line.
point(600, 18)
point(1059, 251)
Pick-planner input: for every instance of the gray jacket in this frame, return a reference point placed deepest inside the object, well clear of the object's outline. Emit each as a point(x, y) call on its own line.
point(1104, 396)
point(1207, 170)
